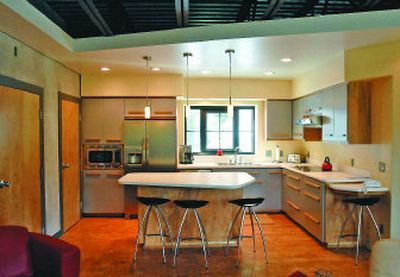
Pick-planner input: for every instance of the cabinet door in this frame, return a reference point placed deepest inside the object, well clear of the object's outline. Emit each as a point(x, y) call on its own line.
point(134, 106)
point(92, 114)
point(279, 119)
point(340, 122)
point(113, 119)
point(163, 106)
point(298, 112)
point(257, 189)
point(273, 184)
point(313, 104)
point(93, 192)
point(328, 114)
point(113, 192)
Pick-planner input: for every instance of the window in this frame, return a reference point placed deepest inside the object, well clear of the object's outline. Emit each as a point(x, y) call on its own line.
point(209, 128)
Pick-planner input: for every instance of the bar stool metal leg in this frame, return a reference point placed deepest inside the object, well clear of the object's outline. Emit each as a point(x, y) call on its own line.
point(178, 238)
point(196, 212)
point(168, 228)
point(230, 230)
point(145, 227)
point(262, 234)
point(240, 237)
point(145, 217)
point(203, 241)
point(253, 235)
point(344, 225)
point(378, 232)
point(360, 214)
point(161, 234)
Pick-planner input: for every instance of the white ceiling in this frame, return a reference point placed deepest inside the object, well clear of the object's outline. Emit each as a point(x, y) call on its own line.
point(253, 56)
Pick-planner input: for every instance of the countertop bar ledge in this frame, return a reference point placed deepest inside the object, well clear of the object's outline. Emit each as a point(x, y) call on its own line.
point(202, 180)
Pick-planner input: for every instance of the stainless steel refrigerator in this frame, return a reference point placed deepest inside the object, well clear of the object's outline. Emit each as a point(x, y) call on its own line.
point(149, 145)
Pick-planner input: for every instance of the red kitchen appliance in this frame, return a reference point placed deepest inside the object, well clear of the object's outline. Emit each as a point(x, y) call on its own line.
point(327, 166)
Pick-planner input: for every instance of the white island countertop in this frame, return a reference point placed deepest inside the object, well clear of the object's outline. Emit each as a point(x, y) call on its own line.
point(201, 180)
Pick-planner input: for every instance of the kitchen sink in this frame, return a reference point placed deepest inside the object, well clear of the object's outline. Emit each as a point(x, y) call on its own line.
point(308, 168)
point(238, 164)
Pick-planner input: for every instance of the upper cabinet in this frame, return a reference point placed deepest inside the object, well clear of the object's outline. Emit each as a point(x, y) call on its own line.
point(298, 112)
point(160, 107)
point(334, 113)
point(279, 119)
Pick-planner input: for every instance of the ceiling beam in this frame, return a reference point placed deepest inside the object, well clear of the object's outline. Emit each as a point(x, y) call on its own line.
point(309, 7)
point(363, 4)
point(118, 17)
point(182, 13)
point(272, 9)
point(185, 12)
point(178, 12)
point(247, 11)
point(48, 11)
point(95, 16)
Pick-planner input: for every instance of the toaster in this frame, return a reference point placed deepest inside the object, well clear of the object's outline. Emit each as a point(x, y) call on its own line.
point(295, 158)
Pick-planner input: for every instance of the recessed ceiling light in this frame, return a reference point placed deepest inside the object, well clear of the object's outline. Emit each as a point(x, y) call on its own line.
point(269, 73)
point(205, 72)
point(286, 60)
point(104, 69)
point(155, 69)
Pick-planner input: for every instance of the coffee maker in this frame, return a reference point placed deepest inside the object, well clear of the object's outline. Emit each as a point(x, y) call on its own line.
point(185, 154)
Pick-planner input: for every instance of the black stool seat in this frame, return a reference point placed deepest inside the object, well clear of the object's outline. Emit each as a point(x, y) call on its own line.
point(191, 204)
point(362, 201)
point(152, 201)
point(247, 202)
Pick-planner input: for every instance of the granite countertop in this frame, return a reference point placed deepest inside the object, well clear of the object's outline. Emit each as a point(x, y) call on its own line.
point(325, 177)
point(203, 180)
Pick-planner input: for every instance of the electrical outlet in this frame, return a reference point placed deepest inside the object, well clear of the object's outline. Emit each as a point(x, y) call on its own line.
point(268, 153)
point(382, 166)
point(352, 161)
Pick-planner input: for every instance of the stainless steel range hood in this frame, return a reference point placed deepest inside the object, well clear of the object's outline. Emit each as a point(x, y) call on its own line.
point(310, 121)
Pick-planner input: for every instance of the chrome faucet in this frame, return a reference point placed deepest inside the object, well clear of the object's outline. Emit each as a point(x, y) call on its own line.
point(236, 151)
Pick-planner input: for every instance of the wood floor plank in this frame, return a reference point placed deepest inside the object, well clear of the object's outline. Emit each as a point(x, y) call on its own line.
point(107, 250)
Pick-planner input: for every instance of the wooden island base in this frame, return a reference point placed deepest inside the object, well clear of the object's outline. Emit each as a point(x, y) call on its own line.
point(216, 216)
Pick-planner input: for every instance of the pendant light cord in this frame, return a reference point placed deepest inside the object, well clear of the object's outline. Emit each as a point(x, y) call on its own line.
point(187, 55)
point(230, 52)
point(148, 59)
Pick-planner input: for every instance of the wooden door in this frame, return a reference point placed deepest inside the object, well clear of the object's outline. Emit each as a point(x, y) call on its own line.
point(70, 184)
point(20, 158)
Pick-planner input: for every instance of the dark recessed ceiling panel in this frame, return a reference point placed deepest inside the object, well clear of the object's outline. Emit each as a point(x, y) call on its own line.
point(92, 18)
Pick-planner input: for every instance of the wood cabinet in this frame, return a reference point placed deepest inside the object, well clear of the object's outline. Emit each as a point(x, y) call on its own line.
point(102, 194)
point(159, 106)
point(267, 185)
point(279, 119)
point(102, 120)
point(303, 201)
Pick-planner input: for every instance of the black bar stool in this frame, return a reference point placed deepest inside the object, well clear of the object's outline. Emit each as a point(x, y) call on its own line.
point(361, 203)
point(246, 204)
point(151, 203)
point(192, 205)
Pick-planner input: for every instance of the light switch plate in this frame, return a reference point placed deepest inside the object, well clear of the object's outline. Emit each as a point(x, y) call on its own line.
point(382, 166)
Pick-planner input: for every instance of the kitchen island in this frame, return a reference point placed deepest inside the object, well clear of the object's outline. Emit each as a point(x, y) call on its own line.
point(216, 187)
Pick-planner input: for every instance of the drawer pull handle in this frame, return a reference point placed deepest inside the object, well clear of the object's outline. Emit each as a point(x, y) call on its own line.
point(313, 219)
point(293, 187)
point(294, 177)
point(92, 174)
point(275, 172)
point(92, 140)
point(253, 173)
point(293, 206)
point(164, 112)
point(312, 196)
point(113, 140)
point(316, 186)
point(259, 182)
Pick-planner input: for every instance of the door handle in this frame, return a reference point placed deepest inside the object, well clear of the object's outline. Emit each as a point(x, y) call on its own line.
point(65, 165)
point(4, 184)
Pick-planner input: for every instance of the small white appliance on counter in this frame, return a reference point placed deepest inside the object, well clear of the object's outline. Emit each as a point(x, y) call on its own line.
point(295, 158)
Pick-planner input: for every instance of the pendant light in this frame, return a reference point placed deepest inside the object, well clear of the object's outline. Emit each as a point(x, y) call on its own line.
point(187, 55)
point(230, 106)
point(147, 109)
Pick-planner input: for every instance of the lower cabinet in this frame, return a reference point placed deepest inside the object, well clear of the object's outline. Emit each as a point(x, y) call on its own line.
point(102, 194)
point(303, 201)
point(267, 185)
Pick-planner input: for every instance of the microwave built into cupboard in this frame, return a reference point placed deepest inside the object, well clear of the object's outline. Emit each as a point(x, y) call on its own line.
point(103, 156)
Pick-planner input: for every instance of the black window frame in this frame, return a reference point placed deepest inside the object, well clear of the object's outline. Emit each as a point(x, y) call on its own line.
point(203, 119)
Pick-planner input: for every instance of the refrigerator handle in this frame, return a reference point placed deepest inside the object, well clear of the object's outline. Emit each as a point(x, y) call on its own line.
point(145, 149)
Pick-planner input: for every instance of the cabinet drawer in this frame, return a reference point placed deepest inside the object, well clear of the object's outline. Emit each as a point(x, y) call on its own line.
point(294, 211)
point(312, 224)
point(293, 193)
point(312, 186)
point(293, 177)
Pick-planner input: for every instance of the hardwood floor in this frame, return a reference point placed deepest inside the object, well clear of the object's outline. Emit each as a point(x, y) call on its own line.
point(107, 248)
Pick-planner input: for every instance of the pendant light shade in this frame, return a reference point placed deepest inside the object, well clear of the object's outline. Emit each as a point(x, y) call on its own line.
point(230, 106)
point(147, 109)
point(187, 108)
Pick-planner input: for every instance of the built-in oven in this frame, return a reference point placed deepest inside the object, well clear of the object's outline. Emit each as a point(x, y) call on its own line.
point(103, 156)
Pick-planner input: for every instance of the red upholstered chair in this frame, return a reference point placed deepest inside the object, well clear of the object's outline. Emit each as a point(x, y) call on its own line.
point(31, 254)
